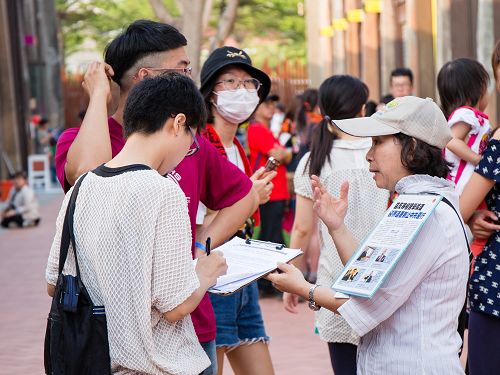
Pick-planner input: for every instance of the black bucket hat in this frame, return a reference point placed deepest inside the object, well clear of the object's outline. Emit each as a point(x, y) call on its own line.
point(224, 56)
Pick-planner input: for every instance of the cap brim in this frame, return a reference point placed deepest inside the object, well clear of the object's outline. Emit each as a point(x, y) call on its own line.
point(365, 127)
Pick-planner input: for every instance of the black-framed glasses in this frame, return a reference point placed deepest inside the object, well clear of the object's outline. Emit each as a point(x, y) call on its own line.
point(231, 84)
point(193, 150)
point(185, 71)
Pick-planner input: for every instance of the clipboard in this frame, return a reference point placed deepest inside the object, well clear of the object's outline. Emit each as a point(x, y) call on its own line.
point(249, 260)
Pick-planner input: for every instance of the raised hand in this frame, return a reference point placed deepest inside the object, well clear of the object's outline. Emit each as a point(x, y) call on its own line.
point(97, 80)
point(329, 209)
point(262, 184)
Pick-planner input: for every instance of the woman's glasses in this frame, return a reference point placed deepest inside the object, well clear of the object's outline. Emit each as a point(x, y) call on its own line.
point(232, 84)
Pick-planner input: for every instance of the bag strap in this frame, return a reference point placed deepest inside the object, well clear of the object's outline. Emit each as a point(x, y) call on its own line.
point(67, 232)
point(445, 200)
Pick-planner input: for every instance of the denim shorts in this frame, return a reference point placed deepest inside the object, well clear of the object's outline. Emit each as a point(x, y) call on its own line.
point(238, 317)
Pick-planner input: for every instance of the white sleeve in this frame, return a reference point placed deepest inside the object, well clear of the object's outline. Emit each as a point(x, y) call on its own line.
point(201, 213)
point(52, 270)
point(301, 179)
point(465, 115)
point(364, 314)
point(29, 201)
point(173, 274)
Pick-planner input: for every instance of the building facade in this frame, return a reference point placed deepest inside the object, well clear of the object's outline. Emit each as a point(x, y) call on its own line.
point(30, 76)
point(370, 38)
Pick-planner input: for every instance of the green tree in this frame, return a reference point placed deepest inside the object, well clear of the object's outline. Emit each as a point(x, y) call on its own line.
point(271, 30)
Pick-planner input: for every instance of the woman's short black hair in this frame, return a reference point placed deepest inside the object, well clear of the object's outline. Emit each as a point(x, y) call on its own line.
point(153, 100)
point(419, 157)
point(461, 82)
point(141, 38)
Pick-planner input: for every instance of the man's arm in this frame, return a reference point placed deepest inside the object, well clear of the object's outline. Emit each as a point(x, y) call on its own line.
point(92, 145)
point(228, 220)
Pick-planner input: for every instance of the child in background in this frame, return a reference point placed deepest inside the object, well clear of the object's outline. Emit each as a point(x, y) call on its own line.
point(463, 90)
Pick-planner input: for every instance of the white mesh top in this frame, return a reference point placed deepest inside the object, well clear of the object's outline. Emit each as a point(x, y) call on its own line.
point(133, 242)
point(367, 204)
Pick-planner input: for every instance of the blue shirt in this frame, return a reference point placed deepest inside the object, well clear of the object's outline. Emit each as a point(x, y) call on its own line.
point(484, 287)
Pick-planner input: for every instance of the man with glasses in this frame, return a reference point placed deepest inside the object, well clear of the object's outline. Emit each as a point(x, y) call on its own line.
point(147, 49)
point(401, 82)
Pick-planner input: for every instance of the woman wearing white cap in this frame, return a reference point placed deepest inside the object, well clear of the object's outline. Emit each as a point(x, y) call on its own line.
point(410, 325)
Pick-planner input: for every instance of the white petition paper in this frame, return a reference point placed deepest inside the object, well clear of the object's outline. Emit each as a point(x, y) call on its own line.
point(249, 260)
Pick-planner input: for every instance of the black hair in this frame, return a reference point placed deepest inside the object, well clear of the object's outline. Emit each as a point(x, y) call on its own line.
point(461, 82)
point(141, 38)
point(419, 157)
point(309, 102)
point(371, 108)
point(402, 72)
point(153, 100)
point(386, 99)
point(43, 121)
point(340, 97)
point(20, 174)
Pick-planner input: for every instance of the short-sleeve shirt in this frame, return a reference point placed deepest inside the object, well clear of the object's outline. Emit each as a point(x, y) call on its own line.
point(484, 287)
point(410, 325)
point(260, 141)
point(133, 246)
point(205, 176)
point(367, 205)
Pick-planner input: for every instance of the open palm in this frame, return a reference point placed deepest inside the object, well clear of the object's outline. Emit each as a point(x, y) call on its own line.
point(329, 209)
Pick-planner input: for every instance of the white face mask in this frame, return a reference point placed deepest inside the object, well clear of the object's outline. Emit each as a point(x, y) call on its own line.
point(236, 106)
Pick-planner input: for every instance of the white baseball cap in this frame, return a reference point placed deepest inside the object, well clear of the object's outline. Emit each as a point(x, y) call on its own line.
point(410, 115)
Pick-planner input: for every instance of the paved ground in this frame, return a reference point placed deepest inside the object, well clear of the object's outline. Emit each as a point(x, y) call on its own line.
point(294, 348)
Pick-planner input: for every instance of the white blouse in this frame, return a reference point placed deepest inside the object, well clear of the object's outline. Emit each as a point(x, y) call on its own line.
point(410, 325)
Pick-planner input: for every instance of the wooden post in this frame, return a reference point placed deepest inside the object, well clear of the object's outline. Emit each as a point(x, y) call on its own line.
point(353, 44)
point(370, 55)
point(419, 46)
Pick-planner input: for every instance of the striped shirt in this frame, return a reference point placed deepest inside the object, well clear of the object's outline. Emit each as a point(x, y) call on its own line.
point(410, 325)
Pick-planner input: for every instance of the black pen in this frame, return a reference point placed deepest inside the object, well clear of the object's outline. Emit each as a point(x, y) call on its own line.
point(207, 246)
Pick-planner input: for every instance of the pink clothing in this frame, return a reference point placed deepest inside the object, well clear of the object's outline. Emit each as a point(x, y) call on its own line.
point(477, 140)
point(66, 140)
point(206, 176)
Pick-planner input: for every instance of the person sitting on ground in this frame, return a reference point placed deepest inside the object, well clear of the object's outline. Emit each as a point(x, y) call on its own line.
point(133, 233)
point(22, 207)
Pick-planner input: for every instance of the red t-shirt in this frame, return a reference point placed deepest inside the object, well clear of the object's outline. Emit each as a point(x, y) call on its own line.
point(260, 141)
point(206, 176)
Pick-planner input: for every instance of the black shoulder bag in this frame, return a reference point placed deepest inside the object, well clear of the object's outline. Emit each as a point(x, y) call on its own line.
point(76, 338)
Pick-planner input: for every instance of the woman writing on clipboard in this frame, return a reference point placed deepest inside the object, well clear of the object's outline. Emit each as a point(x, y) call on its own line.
point(409, 326)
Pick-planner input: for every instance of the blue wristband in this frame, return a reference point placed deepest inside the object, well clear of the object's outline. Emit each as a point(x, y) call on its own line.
point(199, 245)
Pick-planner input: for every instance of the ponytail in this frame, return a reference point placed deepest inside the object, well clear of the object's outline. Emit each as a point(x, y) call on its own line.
point(321, 146)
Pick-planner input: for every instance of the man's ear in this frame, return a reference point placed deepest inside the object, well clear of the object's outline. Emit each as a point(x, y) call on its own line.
point(141, 74)
point(179, 123)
